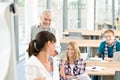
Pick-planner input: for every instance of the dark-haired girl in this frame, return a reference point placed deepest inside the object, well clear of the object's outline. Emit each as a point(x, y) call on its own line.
point(40, 65)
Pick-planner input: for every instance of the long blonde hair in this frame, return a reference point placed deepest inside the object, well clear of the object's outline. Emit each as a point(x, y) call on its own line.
point(76, 50)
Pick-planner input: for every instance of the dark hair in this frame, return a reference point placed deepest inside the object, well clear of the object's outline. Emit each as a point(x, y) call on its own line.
point(38, 43)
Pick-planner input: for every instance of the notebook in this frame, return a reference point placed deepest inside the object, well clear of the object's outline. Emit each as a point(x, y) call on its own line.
point(116, 56)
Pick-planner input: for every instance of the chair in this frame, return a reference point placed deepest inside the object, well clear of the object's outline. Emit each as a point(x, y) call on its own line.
point(84, 56)
point(102, 36)
point(108, 26)
point(117, 75)
point(77, 35)
point(63, 47)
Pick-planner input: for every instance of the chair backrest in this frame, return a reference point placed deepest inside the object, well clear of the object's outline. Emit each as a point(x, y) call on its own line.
point(108, 26)
point(77, 35)
point(84, 56)
point(102, 35)
point(63, 50)
point(63, 47)
point(117, 75)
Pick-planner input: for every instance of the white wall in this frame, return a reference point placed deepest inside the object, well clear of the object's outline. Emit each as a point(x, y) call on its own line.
point(90, 14)
point(31, 16)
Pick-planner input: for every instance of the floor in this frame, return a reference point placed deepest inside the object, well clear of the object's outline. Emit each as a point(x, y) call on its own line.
point(21, 70)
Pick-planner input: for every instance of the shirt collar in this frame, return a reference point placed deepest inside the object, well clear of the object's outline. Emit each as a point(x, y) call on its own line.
point(112, 43)
point(39, 26)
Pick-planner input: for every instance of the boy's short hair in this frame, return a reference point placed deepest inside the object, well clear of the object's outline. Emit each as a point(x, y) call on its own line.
point(109, 31)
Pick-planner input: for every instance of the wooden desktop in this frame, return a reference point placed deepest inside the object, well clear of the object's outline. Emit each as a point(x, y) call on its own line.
point(108, 71)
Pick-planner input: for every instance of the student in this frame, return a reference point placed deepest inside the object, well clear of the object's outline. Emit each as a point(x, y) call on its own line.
point(109, 46)
point(45, 25)
point(40, 64)
point(73, 67)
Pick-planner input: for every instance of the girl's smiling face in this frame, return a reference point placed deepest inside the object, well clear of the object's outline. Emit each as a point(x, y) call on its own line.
point(70, 51)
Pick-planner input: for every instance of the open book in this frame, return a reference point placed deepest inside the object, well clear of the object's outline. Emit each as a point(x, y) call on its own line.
point(95, 59)
point(116, 56)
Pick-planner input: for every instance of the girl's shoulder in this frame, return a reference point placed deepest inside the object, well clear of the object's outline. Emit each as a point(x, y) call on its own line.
point(79, 59)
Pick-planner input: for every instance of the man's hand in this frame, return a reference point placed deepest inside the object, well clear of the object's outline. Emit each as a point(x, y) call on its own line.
point(55, 53)
point(108, 59)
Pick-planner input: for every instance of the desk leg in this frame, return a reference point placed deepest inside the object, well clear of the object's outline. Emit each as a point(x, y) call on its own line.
point(89, 51)
point(92, 37)
point(93, 77)
point(101, 78)
point(85, 49)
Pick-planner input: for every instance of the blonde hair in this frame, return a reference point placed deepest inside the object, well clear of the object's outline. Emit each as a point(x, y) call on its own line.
point(76, 50)
point(109, 31)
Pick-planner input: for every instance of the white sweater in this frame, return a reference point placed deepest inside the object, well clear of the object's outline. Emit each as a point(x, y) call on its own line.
point(34, 68)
